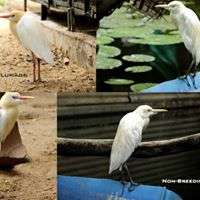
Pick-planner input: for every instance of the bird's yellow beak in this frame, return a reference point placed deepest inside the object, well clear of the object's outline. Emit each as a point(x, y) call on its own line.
point(25, 97)
point(165, 6)
point(6, 15)
point(159, 110)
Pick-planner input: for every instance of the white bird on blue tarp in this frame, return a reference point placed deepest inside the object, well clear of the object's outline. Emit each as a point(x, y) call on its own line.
point(129, 136)
point(9, 113)
point(29, 31)
point(188, 24)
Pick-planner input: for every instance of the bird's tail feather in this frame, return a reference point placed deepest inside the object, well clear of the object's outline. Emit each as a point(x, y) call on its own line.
point(49, 57)
point(110, 171)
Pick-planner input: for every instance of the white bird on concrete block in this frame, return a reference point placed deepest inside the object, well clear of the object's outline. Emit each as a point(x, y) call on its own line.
point(129, 136)
point(9, 113)
point(188, 24)
point(28, 29)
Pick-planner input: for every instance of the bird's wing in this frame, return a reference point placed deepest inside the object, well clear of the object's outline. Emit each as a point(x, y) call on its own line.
point(173, 20)
point(191, 31)
point(193, 23)
point(127, 138)
point(33, 37)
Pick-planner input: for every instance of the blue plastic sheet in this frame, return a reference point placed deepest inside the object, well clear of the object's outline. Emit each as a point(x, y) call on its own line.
point(176, 85)
point(80, 188)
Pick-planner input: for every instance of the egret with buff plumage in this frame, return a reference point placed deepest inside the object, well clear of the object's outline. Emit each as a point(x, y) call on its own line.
point(29, 31)
point(9, 113)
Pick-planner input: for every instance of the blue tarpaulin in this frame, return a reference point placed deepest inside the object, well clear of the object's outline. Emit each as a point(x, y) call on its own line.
point(176, 85)
point(81, 188)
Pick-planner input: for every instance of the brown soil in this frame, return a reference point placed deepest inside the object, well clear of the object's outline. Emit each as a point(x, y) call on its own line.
point(62, 76)
point(35, 180)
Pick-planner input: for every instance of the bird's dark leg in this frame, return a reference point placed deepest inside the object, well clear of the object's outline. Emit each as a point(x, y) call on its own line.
point(34, 67)
point(193, 76)
point(190, 68)
point(133, 184)
point(185, 78)
point(39, 77)
point(122, 180)
point(187, 73)
point(122, 177)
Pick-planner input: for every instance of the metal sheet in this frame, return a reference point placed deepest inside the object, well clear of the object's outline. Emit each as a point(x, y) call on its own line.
point(98, 115)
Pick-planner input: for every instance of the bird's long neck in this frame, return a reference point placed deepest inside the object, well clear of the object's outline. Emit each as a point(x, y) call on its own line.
point(11, 111)
point(177, 16)
point(146, 122)
point(8, 119)
point(144, 119)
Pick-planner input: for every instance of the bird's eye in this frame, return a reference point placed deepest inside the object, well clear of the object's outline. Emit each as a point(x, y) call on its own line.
point(149, 110)
point(14, 97)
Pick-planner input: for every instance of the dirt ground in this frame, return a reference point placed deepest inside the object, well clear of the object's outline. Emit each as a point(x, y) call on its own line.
point(35, 180)
point(15, 60)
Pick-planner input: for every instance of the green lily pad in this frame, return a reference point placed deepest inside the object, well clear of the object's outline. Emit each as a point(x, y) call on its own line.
point(101, 32)
point(102, 39)
point(121, 18)
point(138, 69)
point(155, 32)
point(119, 82)
point(141, 86)
point(154, 39)
point(107, 63)
point(161, 23)
point(108, 51)
point(122, 32)
point(139, 58)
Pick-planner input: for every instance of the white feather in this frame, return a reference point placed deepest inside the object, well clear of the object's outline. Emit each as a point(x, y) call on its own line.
point(189, 27)
point(33, 37)
point(8, 118)
point(128, 137)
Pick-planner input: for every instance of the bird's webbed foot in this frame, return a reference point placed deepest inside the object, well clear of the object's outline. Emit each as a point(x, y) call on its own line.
point(123, 182)
point(39, 81)
point(193, 80)
point(185, 78)
point(132, 186)
point(132, 183)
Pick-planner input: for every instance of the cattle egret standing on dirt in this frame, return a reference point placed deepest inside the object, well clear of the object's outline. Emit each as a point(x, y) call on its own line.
point(129, 136)
point(29, 31)
point(189, 27)
point(9, 113)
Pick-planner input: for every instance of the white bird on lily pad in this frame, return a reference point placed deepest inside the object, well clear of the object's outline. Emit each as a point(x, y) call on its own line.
point(9, 113)
point(28, 29)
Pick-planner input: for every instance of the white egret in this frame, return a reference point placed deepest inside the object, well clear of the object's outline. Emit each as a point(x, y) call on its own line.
point(28, 30)
point(188, 24)
point(129, 136)
point(9, 113)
